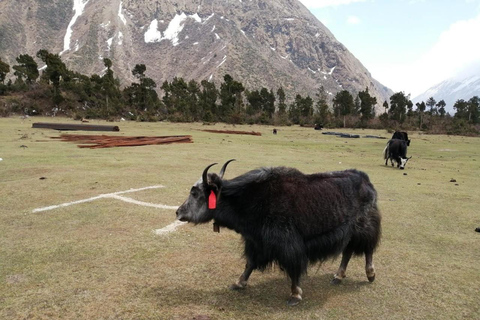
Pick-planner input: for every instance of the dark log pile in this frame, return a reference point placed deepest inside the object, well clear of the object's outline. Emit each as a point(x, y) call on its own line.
point(74, 126)
point(253, 133)
point(104, 141)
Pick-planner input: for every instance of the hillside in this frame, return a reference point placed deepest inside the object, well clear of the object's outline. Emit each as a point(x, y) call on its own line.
point(261, 43)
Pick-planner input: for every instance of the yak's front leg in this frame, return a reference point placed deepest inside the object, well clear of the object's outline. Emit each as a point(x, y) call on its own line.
point(242, 281)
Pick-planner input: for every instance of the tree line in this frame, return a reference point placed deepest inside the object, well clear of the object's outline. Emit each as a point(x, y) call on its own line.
point(54, 90)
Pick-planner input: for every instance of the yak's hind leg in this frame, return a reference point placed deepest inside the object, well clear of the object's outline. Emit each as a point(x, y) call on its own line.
point(369, 268)
point(341, 272)
point(297, 292)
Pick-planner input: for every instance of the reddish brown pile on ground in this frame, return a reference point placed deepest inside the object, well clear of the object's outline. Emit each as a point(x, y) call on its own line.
point(103, 141)
point(253, 133)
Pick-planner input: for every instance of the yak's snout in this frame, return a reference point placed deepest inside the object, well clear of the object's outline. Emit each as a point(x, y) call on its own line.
point(181, 215)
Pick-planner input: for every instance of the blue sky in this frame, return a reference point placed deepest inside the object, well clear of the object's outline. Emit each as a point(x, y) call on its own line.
point(407, 45)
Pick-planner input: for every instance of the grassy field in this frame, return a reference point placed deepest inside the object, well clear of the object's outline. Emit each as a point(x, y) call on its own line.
point(101, 259)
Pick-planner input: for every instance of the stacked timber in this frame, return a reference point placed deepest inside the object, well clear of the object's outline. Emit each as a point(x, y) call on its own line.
point(74, 126)
point(104, 141)
point(253, 133)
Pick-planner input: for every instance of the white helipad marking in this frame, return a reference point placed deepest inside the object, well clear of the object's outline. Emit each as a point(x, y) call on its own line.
point(106, 195)
point(116, 195)
point(170, 228)
point(141, 203)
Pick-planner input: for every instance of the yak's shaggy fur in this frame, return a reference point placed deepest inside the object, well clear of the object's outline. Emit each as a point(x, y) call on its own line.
point(293, 219)
point(396, 150)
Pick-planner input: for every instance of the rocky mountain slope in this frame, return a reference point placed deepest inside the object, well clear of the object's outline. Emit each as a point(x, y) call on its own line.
point(268, 43)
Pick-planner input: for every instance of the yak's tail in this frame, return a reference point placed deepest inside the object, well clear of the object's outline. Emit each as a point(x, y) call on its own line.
point(385, 152)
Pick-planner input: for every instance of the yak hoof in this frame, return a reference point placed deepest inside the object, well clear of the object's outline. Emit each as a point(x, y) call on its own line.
point(336, 281)
point(237, 287)
point(371, 279)
point(293, 301)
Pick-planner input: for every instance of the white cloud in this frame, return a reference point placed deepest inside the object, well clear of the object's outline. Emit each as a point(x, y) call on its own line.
point(315, 4)
point(353, 20)
point(455, 49)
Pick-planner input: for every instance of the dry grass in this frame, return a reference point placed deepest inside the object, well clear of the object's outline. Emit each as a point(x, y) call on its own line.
point(101, 260)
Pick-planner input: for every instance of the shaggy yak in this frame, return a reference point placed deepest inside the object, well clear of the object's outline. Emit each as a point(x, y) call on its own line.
point(290, 218)
point(396, 150)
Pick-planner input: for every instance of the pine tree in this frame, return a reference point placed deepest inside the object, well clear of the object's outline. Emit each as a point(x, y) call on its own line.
point(473, 110)
point(193, 92)
point(4, 70)
point(27, 69)
point(230, 97)
point(385, 106)
point(268, 102)
point(461, 107)
point(208, 101)
point(254, 102)
point(142, 96)
point(441, 108)
point(282, 106)
point(56, 70)
point(398, 106)
point(367, 105)
point(343, 105)
point(322, 112)
point(111, 90)
point(431, 103)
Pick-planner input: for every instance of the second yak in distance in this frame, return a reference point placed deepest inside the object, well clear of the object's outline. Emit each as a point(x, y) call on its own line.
point(396, 150)
point(290, 218)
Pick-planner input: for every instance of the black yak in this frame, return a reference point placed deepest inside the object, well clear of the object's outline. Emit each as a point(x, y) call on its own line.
point(402, 135)
point(290, 218)
point(396, 150)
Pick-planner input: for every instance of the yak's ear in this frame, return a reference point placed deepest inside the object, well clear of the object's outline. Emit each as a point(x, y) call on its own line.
point(214, 183)
point(213, 190)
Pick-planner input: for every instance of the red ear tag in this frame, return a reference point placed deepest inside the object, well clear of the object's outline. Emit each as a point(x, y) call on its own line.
point(212, 200)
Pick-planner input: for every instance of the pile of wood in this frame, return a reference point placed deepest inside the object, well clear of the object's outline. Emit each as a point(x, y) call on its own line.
point(74, 126)
point(253, 133)
point(104, 141)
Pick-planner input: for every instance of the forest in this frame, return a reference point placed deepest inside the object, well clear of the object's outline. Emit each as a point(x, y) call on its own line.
point(54, 90)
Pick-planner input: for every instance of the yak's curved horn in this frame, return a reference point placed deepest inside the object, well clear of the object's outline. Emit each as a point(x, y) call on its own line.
point(222, 171)
point(204, 175)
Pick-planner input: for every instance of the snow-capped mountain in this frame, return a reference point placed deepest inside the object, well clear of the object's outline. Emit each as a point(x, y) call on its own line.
point(463, 86)
point(262, 43)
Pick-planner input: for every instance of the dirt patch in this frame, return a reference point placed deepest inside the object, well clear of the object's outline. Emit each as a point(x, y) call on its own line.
point(15, 278)
point(104, 141)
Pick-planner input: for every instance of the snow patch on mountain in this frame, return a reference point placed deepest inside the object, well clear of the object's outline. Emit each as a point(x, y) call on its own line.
point(174, 28)
point(120, 14)
point(78, 6)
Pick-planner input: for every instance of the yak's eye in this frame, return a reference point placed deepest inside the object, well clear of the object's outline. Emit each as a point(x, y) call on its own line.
point(194, 192)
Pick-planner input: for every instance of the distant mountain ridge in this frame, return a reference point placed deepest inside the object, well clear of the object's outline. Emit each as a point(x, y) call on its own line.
point(463, 86)
point(262, 43)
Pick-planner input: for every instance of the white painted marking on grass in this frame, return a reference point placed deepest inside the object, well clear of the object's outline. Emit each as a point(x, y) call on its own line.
point(106, 195)
point(66, 204)
point(170, 228)
point(141, 203)
point(116, 195)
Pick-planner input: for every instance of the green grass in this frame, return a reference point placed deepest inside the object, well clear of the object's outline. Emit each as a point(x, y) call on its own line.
point(101, 260)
